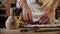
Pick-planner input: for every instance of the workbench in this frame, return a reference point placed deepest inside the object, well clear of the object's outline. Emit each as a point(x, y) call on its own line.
point(42, 31)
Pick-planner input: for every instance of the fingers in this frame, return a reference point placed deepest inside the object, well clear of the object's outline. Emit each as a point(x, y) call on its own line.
point(44, 20)
point(27, 17)
point(30, 18)
point(41, 19)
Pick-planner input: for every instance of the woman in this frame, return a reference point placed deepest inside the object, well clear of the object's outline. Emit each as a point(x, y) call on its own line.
point(38, 10)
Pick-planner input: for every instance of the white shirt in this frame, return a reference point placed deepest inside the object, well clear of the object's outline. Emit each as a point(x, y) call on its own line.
point(35, 8)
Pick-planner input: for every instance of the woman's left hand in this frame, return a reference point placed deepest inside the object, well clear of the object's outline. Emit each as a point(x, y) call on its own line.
point(44, 19)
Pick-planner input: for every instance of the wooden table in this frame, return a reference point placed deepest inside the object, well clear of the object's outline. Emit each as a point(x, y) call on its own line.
point(43, 31)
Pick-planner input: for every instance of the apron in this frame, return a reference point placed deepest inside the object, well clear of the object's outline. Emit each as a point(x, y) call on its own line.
point(36, 8)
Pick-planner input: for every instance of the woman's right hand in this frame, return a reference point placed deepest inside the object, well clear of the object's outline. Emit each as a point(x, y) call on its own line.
point(27, 13)
point(27, 16)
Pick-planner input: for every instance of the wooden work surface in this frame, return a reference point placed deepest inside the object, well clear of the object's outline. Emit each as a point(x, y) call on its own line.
point(43, 31)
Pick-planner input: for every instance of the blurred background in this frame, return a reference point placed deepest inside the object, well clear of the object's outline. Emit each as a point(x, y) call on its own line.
point(5, 6)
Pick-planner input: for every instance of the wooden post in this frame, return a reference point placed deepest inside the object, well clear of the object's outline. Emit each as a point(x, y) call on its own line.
point(59, 4)
point(8, 3)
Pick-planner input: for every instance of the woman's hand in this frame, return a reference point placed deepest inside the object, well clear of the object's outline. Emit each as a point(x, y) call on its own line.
point(27, 13)
point(44, 19)
point(27, 16)
point(49, 12)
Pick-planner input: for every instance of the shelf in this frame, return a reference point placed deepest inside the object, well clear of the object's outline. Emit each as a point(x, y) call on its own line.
point(2, 15)
point(2, 8)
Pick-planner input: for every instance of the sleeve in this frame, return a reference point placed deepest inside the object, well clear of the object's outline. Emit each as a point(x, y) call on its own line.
point(18, 4)
point(46, 4)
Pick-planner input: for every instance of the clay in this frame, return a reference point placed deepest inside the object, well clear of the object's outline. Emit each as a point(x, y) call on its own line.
point(11, 22)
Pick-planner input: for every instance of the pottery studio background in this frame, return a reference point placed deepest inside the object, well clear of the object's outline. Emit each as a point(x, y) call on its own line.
point(5, 6)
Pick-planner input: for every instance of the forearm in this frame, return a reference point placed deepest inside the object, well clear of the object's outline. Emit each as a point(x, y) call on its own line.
point(27, 13)
point(53, 6)
point(25, 7)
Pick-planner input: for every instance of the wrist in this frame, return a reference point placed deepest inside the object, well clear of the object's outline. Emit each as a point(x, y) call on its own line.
point(59, 0)
point(23, 2)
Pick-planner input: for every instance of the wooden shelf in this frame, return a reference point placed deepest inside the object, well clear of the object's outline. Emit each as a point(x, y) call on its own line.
point(3, 8)
point(2, 15)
